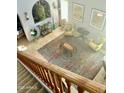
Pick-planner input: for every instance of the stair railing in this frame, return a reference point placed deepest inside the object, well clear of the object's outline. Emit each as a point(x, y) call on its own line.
point(52, 76)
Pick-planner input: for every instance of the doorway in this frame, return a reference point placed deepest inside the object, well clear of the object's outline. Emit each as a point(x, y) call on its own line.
point(20, 30)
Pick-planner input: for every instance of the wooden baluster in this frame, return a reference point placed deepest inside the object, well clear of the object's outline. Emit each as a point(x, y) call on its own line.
point(51, 80)
point(44, 71)
point(40, 68)
point(40, 73)
point(69, 86)
point(80, 90)
point(36, 70)
point(32, 67)
point(36, 66)
point(55, 83)
point(46, 74)
point(60, 84)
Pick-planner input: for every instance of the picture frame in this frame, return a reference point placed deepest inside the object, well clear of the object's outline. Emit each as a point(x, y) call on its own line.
point(78, 12)
point(97, 20)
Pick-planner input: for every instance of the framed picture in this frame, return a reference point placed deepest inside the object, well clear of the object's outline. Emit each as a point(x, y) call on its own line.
point(97, 19)
point(77, 12)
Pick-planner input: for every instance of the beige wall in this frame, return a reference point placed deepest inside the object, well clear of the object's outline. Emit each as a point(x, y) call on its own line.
point(89, 4)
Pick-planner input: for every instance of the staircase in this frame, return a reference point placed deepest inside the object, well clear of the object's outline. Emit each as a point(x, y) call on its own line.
point(53, 77)
point(26, 83)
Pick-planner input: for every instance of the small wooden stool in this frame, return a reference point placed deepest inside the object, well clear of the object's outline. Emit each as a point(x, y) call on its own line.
point(69, 48)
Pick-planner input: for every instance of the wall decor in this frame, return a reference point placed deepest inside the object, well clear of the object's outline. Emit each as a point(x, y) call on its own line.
point(97, 19)
point(41, 11)
point(77, 12)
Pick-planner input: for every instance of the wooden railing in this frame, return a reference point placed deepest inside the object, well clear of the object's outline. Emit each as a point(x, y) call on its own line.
point(52, 76)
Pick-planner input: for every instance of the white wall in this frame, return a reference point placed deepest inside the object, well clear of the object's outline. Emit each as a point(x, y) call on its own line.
point(89, 4)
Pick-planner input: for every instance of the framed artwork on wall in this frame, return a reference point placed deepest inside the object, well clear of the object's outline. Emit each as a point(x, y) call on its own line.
point(77, 12)
point(97, 19)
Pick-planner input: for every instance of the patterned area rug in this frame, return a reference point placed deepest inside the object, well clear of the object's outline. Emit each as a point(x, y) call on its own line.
point(84, 61)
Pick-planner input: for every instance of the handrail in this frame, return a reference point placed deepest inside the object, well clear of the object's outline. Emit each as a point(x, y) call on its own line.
point(52, 75)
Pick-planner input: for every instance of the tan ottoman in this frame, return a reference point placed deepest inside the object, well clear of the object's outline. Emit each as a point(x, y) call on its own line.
point(68, 48)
